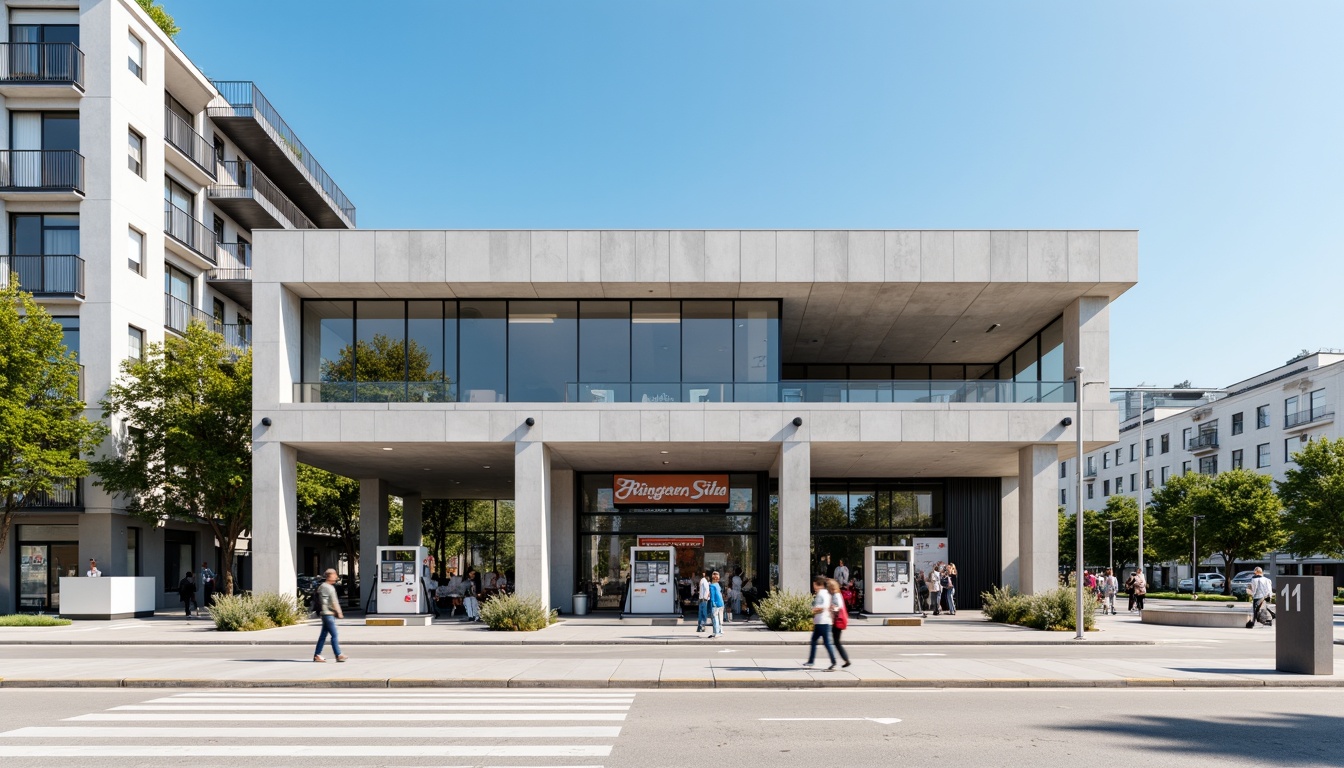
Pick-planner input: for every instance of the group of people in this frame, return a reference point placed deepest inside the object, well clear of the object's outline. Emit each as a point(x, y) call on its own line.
point(739, 591)
point(1104, 586)
point(186, 589)
point(456, 592)
point(938, 589)
point(830, 618)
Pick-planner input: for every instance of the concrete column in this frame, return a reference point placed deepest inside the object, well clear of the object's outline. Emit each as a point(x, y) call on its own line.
point(1009, 514)
point(563, 567)
point(1087, 342)
point(532, 513)
point(275, 515)
point(795, 515)
point(412, 521)
point(1038, 517)
point(372, 532)
point(102, 536)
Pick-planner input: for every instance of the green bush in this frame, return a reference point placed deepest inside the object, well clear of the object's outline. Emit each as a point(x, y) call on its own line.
point(251, 612)
point(1053, 610)
point(516, 613)
point(24, 620)
point(786, 611)
point(1203, 597)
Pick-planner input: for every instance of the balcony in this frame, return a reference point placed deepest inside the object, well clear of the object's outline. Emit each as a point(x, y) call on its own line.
point(41, 174)
point(244, 114)
point(178, 314)
point(246, 194)
point(65, 494)
point(233, 275)
point(1204, 442)
point(1321, 414)
point(237, 335)
point(45, 276)
point(188, 149)
point(186, 235)
point(41, 69)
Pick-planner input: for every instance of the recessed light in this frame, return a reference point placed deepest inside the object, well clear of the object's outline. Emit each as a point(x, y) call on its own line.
point(663, 452)
point(667, 462)
point(954, 341)
point(426, 469)
point(387, 449)
point(485, 466)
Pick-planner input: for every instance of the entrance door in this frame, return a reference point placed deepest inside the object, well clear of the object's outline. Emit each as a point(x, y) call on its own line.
point(41, 567)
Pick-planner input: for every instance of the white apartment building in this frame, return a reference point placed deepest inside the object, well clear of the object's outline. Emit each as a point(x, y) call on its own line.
point(130, 184)
point(1256, 424)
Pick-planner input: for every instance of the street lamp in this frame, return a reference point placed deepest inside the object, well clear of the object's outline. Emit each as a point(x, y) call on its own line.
point(1110, 562)
point(1078, 494)
point(1194, 556)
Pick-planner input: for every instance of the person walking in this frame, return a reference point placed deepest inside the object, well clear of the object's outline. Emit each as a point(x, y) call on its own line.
point(186, 590)
point(330, 611)
point(839, 617)
point(1140, 590)
point(823, 620)
point(842, 572)
point(470, 602)
point(1109, 586)
point(715, 606)
point(702, 593)
point(1260, 590)
point(949, 582)
point(934, 579)
point(208, 584)
point(1129, 590)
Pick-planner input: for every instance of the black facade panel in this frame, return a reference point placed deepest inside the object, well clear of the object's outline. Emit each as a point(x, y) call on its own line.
point(973, 536)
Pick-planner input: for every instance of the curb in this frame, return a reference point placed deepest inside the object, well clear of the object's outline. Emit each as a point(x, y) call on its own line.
point(385, 683)
point(698, 642)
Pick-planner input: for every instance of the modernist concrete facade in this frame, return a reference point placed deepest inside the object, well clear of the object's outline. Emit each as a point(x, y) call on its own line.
point(129, 185)
point(932, 366)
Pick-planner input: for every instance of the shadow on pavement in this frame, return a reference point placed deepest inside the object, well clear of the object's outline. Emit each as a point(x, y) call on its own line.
point(1226, 671)
point(1250, 735)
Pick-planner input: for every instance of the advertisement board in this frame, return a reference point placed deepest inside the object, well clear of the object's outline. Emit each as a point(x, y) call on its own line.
point(670, 491)
point(929, 550)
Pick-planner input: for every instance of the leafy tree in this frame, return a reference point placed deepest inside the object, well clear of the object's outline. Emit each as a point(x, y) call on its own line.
point(160, 17)
point(382, 358)
point(1068, 539)
point(1313, 495)
point(186, 453)
point(1125, 511)
point(1172, 507)
point(43, 431)
point(443, 525)
point(329, 503)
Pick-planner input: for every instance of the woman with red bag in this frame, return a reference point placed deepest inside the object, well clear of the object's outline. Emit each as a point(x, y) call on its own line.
point(840, 620)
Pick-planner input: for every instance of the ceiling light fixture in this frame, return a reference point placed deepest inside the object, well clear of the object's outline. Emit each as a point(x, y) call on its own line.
point(485, 466)
point(663, 452)
point(387, 449)
point(992, 327)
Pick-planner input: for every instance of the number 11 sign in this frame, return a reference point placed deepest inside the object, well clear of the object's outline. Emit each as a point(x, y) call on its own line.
point(1304, 625)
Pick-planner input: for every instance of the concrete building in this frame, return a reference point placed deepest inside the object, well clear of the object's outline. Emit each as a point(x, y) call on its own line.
point(1256, 424)
point(129, 186)
point(847, 387)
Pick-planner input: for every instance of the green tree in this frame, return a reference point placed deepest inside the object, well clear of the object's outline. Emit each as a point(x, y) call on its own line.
point(43, 431)
point(1068, 538)
point(382, 358)
point(1313, 495)
point(1172, 507)
point(443, 526)
point(160, 17)
point(1125, 511)
point(329, 503)
point(186, 450)
point(1242, 517)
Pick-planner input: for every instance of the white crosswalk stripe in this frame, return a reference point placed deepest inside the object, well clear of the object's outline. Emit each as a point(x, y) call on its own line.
point(285, 725)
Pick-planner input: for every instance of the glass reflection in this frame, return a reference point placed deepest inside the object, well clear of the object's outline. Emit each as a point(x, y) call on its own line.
point(482, 361)
point(543, 350)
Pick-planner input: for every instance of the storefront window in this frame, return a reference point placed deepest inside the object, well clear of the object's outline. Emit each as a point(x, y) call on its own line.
point(471, 534)
point(46, 553)
point(543, 350)
point(848, 516)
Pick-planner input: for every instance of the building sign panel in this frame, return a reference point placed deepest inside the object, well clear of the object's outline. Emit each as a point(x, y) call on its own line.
point(679, 542)
point(671, 490)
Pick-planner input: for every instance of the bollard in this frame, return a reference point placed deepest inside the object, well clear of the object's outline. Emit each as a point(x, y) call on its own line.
point(1304, 625)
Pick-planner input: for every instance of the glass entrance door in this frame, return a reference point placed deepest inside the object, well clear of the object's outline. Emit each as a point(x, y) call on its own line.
point(41, 567)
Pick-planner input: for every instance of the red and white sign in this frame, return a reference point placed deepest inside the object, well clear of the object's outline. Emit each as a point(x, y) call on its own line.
point(670, 490)
point(680, 542)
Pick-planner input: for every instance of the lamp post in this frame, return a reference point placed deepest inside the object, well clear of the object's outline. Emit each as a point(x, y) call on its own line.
point(1194, 556)
point(1110, 562)
point(1078, 494)
point(1143, 484)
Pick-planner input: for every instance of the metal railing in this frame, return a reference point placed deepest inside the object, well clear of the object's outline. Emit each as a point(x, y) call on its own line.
point(241, 178)
point(66, 493)
point(42, 63)
point(244, 99)
point(234, 262)
point(34, 170)
point(179, 133)
point(238, 335)
point(1318, 413)
point(45, 275)
point(178, 314)
point(179, 225)
point(1203, 441)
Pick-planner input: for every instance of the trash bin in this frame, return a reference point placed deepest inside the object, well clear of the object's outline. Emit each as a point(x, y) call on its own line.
point(580, 604)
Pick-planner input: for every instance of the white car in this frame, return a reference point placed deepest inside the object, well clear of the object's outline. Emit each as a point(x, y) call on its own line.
point(1208, 583)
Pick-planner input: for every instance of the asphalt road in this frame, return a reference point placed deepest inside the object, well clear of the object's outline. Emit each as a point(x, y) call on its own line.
point(643, 729)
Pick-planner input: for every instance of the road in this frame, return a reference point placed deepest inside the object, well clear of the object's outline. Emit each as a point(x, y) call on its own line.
point(101, 728)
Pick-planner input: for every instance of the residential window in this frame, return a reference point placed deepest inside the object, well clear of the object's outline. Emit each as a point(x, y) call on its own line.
point(1134, 481)
point(1148, 448)
point(1091, 490)
point(1316, 400)
point(1063, 498)
point(1185, 467)
point(1208, 465)
point(1290, 409)
point(1166, 443)
point(1106, 460)
point(1166, 473)
point(135, 57)
point(1185, 438)
point(1063, 469)
point(219, 150)
point(1117, 456)
point(1262, 456)
point(1105, 488)
point(1288, 446)
point(135, 339)
point(1120, 484)
point(42, 234)
point(1237, 424)
point(1148, 478)
point(1236, 459)
point(1091, 465)
point(1261, 416)
point(135, 250)
point(135, 157)
point(1133, 451)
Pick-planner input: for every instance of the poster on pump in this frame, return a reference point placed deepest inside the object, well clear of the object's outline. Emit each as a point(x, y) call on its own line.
point(929, 550)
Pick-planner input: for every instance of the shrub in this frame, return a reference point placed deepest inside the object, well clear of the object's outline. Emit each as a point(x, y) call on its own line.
point(23, 620)
point(251, 612)
point(282, 610)
point(516, 613)
point(786, 611)
point(1053, 610)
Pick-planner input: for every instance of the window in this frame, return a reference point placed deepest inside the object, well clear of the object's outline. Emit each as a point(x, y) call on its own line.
point(1237, 425)
point(1063, 498)
point(1262, 456)
point(1262, 417)
point(1120, 484)
point(1105, 488)
point(1106, 460)
point(219, 150)
point(1208, 465)
point(135, 57)
point(1288, 446)
point(135, 338)
point(1185, 438)
point(1134, 481)
point(1290, 408)
point(1118, 452)
point(218, 228)
point(1185, 467)
point(1091, 490)
point(55, 61)
point(135, 147)
point(1148, 448)
point(1316, 400)
point(135, 250)
point(1148, 478)
point(1166, 473)
point(1133, 451)
point(1166, 443)
point(1091, 465)
point(1236, 459)
point(179, 288)
point(1063, 469)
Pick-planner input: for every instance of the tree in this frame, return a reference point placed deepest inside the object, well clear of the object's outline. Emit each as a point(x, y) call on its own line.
point(443, 526)
point(186, 451)
point(160, 17)
point(329, 503)
point(1125, 511)
point(1313, 495)
point(381, 359)
point(43, 431)
point(1068, 539)
point(1172, 507)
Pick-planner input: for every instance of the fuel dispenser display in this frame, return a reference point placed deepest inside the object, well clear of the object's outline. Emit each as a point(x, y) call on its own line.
point(400, 580)
point(653, 590)
point(891, 586)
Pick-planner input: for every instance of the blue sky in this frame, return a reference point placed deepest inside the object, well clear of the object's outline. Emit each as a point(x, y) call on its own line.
point(1215, 128)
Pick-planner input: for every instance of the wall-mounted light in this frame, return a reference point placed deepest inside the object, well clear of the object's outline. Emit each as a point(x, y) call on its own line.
point(265, 421)
point(1067, 421)
point(529, 421)
point(797, 421)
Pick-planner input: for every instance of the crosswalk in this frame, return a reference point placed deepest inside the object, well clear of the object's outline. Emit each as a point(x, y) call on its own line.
point(354, 727)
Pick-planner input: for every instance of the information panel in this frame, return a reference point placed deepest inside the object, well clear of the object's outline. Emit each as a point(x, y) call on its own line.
point(889, 586)
point(652, 588)
point(399, 574)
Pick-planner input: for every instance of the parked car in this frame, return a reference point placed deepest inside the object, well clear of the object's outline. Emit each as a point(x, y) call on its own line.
point(1241, 583)
point(1208, 582)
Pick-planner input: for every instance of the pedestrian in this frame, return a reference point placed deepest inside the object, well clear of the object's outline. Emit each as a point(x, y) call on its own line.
point(330, 611)
point(840, 618)
point(842, 572)
point(702, 593)
point(470, 603)
point(922, 585)
point(1260, 590)
point(949, 582)
point(715, 606)
point(208, 584)
point(735, 591)
point(823, 619)
point(1109, 586)
point(501, 583)
point(935, 581)
point(1140, 589)
point(1129, 590)
point(93, 571)
point(186, 590)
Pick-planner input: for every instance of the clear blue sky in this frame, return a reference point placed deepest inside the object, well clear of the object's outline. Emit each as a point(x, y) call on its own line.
point(1215, 128)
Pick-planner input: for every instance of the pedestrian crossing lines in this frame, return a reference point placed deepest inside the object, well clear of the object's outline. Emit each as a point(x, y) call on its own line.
point(405, 727)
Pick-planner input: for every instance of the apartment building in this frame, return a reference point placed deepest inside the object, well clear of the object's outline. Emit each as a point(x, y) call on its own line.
point(1255, 424)
point(130, 185)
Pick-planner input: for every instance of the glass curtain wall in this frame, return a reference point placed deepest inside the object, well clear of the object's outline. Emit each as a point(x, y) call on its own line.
point(849, 515)
point(471, 534)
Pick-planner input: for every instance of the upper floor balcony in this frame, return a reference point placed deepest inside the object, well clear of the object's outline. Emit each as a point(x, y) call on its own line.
point(186, 149)
point(65, 494)
point(1308, 417)
point(186, 235)
point(253, 200)
point(45, 276)
point(233, 274)
point(41, 69)
point(244, 114)
point(41, 175)
point(1204, 442)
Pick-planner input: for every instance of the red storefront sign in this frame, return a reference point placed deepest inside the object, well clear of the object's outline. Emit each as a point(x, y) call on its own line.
point(670, 490)
point(680, 542)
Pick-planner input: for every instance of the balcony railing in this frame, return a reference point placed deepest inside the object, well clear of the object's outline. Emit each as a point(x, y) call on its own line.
point(178, 314)
point(233, 263)
point(65, 494)
point(1204, 441)
point(240, 178)
point(42, 63)
point(41, 170)
point(238, 335)
point(45, 275)
point(244, 99)
point(1311, 415)
point(181, 135)
point(179, 225)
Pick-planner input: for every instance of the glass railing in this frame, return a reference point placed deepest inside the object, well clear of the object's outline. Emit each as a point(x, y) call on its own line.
point(375, 392)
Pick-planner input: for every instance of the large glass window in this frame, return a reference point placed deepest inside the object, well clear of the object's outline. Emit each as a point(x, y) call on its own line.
point(543, 350)
point(756, 361)
point(707, 351)
point(468, 535)
point(604, 352)
point(430, 375)
point(380, 350)
point(328, 351)
point(655, 351)
point(483, 362)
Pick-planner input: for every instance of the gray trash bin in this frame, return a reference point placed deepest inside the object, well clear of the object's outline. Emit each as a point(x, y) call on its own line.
point(580, 604)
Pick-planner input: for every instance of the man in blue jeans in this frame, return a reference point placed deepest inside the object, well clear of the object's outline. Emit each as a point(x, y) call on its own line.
point(330, 611)
point(822, 619)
